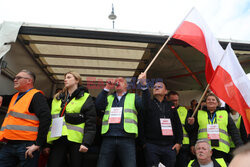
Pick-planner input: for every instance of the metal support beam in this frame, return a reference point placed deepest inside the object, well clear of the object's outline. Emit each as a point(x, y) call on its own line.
point(185, 75)
point(90, 75)
point(84, 45)
point(90, 67)
point(186, 67)
point(30, 52)
point(88, 57)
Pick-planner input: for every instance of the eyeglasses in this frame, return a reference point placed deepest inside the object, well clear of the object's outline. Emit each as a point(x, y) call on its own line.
point(158, 87)
point(19, 77)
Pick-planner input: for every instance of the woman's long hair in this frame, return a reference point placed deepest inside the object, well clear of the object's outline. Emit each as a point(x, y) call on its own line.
point(65, 90)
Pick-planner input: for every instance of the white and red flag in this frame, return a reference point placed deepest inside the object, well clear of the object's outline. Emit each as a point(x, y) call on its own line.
point(231, 84)
point(196, 33)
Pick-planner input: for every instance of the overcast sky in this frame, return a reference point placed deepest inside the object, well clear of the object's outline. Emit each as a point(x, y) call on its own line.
point(228, 19)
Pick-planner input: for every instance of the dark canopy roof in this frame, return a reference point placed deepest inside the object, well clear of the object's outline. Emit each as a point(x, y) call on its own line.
point(108, 54)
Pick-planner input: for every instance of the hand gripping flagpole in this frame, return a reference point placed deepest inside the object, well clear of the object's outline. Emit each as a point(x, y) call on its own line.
point(165, 43)
point(208, 85)
point(202, 97)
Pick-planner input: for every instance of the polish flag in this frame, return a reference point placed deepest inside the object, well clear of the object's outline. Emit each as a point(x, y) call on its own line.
point(196, 33)
point(231, 84)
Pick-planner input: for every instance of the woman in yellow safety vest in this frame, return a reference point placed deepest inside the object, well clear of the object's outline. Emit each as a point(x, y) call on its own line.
point(73, 123)
point(214, 123)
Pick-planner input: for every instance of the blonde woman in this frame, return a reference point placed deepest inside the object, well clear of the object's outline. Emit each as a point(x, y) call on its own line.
point(74, 123)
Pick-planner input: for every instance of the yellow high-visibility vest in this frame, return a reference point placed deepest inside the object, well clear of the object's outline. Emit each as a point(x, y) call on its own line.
point(182, 112)
point(129, 111)
point(73, 132)
point(222, 121)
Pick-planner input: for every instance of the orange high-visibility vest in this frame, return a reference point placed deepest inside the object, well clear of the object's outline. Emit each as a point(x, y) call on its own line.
point(19, 123)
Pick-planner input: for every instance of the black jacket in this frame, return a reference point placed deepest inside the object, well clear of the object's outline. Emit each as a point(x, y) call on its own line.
point(153, 111)
point(40, 107)
point(87, 115)
point(232, 130)
point(243, 132)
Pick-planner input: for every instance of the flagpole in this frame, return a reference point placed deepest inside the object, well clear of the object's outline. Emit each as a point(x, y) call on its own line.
point(202, 97)
point(208, 85)
point(165, 43)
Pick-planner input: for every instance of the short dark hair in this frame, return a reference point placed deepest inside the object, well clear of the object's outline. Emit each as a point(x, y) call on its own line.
point(164, 83)
point(172, 92)
point(192, 101)
point(30, 73)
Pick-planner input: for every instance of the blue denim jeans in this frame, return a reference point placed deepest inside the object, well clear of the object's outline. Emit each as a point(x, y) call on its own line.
point(13, 154)
point(121, 147)
point(154, 154)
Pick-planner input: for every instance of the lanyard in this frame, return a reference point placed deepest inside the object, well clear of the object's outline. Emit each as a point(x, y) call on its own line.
point(19, 96)
point(212, 120)
point(64, 108)
point(163, 111)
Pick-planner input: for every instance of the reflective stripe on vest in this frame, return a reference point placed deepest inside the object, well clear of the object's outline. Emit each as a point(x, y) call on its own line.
point(23, 116)
point(232, 145)
point(74, 133)
point(70, 127)
point(219, 160)
point(129, 113)
point(182, 112)
point(222, 121)
point(20, 127)
point(190, 163)
point(220, 130)
point(19, 123)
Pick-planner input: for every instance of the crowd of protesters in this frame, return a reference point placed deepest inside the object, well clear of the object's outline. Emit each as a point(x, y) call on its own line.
point(117, 128)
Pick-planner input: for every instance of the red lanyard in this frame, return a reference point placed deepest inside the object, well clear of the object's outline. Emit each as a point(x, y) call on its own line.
point(64, 109)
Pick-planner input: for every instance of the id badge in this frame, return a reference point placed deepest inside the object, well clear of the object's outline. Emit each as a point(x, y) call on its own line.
point(115, 115)
point(57, 125)
point(213, 132)
point(166, 127)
